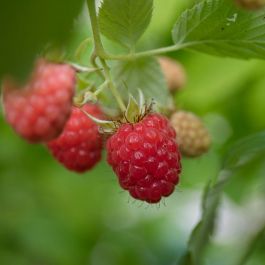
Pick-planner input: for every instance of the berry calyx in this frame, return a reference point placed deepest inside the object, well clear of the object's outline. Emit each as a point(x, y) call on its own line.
point(145, 157)
point(38, 110)
point(79, 146)
point(192, 136)
point(174, 73)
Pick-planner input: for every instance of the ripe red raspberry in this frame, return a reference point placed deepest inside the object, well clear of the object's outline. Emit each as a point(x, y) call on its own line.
point(79, 146)
point(38, 111)
point(146, 158)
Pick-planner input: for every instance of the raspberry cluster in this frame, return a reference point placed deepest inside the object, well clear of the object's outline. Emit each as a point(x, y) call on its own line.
point(144, 154)
point(146, 158)
point(42, 111)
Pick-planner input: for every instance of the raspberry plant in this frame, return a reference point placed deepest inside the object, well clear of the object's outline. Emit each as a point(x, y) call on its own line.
point(133, 88)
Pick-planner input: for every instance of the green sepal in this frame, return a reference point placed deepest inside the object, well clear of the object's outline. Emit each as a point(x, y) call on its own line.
point(133, 110)
point(105, 126)
point(142, 101)
point(84, 98)
point(83, 69)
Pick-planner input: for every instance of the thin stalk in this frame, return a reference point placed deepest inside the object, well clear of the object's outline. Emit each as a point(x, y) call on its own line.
point(142, 54)
point(94, 63)
point(95, 28)
point(112, 86)
point(101, 88)
point(100, 52)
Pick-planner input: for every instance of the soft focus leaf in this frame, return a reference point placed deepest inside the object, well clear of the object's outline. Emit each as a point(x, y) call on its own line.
point(124, 21)
point(26, 26)
point(245, 150)
point(220, 28)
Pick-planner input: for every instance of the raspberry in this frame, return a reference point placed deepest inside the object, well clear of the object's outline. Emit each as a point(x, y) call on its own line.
point(251, 4)
point(38, 111)
point(174, 73)
point(79, 146)
point(192, 137)
point(146, 158)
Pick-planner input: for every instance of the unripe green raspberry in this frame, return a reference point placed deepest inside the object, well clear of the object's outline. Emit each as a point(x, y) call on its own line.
point(192, 136)
point(174, 73)
point(251, 4)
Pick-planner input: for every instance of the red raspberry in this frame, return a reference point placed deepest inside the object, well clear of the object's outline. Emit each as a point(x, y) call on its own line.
point(146, 158)
point(38, 111)
point(79, 146)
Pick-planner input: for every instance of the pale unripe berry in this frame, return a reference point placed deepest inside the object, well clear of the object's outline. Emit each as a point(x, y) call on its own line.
point(192, 136)
point(251, 4)
point(174, 73)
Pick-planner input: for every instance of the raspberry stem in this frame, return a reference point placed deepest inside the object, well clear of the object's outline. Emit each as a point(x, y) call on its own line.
point(101, 88)
point(137, 55)
point(100, 52)
point(95, 29)
point(112, 86)
point(93, 58)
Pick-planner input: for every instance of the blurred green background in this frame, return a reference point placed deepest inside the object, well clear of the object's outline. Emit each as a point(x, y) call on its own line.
point(49, 216)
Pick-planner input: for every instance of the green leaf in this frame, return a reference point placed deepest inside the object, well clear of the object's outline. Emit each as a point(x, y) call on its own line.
point(124, 21)
point(27, 26)
point(245, 150)
point(220, 28)
point(144, 74)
